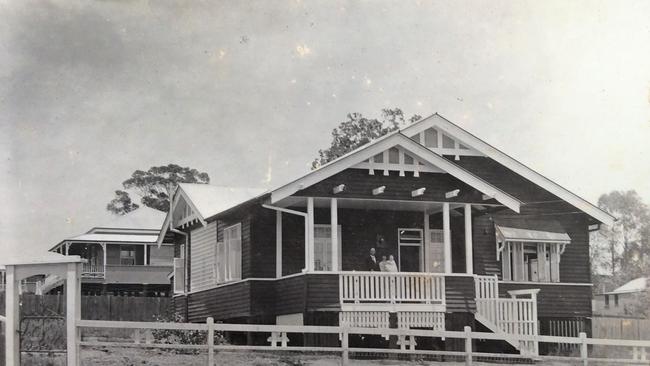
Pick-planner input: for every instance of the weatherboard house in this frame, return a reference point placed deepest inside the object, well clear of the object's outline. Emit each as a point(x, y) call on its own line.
point(479, 239)
point(121, 256)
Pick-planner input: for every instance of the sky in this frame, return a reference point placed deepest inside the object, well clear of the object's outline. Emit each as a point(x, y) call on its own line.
point(248, 91)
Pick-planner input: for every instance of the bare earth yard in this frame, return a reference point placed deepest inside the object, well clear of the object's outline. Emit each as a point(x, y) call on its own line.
point(132, 356)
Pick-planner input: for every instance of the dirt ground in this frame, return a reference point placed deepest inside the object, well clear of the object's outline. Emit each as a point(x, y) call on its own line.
point(154, 357)
point(133, 357)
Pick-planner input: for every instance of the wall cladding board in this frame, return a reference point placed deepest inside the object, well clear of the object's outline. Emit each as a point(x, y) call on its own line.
point(323, 291)
point(221, 303)
point(290, 295)
point(204, 241)
point(460, 294)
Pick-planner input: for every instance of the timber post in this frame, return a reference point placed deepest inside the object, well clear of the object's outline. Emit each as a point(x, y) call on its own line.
point(584, 354)
point(345, 349)
point(210, 322)
point(468, 345)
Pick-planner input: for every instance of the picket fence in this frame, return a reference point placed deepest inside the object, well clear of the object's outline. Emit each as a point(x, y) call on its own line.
point(621, 328)
point(279, 341)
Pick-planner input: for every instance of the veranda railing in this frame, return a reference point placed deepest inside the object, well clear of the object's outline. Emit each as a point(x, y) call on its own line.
point(389, 287)
point(92, 270)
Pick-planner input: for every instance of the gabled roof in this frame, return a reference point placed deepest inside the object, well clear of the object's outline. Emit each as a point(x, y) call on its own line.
point(384, 143)
point(488, 150)
point(209, 200)
point(206, 201)
point(636, 285)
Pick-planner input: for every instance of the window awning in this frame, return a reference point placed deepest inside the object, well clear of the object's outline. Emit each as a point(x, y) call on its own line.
point(510, 234)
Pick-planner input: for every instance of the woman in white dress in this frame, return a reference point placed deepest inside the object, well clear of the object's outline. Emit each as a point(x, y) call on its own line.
point(390, 264)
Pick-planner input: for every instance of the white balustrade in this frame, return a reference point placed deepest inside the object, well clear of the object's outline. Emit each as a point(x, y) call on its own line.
point(384, 287)
point(92, 270)
point(516, 316)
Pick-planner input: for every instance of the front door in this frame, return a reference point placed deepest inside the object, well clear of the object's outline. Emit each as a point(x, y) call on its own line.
point(410, 250)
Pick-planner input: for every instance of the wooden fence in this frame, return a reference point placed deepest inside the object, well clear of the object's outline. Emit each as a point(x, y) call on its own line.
point(104, 307)
point(279, 341)
point(621, 328)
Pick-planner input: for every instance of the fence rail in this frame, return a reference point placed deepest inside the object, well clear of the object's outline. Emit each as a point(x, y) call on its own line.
point(279, 342)
point(384, 287)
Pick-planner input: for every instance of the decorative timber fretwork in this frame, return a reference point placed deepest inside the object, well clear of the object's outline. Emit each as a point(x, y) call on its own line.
point(443, 144)
point(398, 160)
point(184, 215)
point(421, 319)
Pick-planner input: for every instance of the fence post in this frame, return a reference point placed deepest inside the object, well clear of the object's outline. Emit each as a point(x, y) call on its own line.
point(584, 354)
point(468, 346)
point(210, 322)
point(345, 352)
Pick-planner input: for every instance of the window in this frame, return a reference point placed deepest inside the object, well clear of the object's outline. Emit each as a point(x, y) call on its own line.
point(323, 247)
point(393, 156)
point(232, 255)
point(221, 262)
point(127, 255)
point(616, 300)
point(179, 275)
point(431, 138)
point(536, 262)
point(606, 301)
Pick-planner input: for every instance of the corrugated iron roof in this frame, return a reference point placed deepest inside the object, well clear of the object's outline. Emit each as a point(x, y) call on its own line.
point(636, 285)
point(528, 235)
point(113, 238)
point(210, 200)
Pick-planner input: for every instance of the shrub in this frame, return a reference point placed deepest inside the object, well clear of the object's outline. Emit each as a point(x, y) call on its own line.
point(181, 336)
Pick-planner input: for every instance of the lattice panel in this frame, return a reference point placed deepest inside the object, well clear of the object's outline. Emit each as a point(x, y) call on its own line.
point(421, 319)
point(364, 319)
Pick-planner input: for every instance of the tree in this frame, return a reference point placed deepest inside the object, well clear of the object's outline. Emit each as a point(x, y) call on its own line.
point(624, 247)
point(154, 186)
point(358, 131)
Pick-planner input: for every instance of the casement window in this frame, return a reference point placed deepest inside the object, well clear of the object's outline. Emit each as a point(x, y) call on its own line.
point(179, 271)
point(179, 275)
point(535, 262)
point(529, 254)
point(232, 255)
point(220, 262)
point(127, 255)
point(323, 247)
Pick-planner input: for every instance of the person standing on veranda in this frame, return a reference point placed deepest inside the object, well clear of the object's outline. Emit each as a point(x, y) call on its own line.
point(371, 264)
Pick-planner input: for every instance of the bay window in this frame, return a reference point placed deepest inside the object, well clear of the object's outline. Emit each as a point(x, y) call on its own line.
point(536, 262)
point(530, 255)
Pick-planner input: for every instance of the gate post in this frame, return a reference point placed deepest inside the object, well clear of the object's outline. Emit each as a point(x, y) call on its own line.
point(73, 312)
point(12, 315)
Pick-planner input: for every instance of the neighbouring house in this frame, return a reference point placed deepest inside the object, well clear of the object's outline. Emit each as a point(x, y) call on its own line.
point(479, 239)
point(623, 301)
point(122, 256)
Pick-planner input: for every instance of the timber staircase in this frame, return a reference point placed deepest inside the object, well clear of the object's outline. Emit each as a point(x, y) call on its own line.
point(508, 317)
